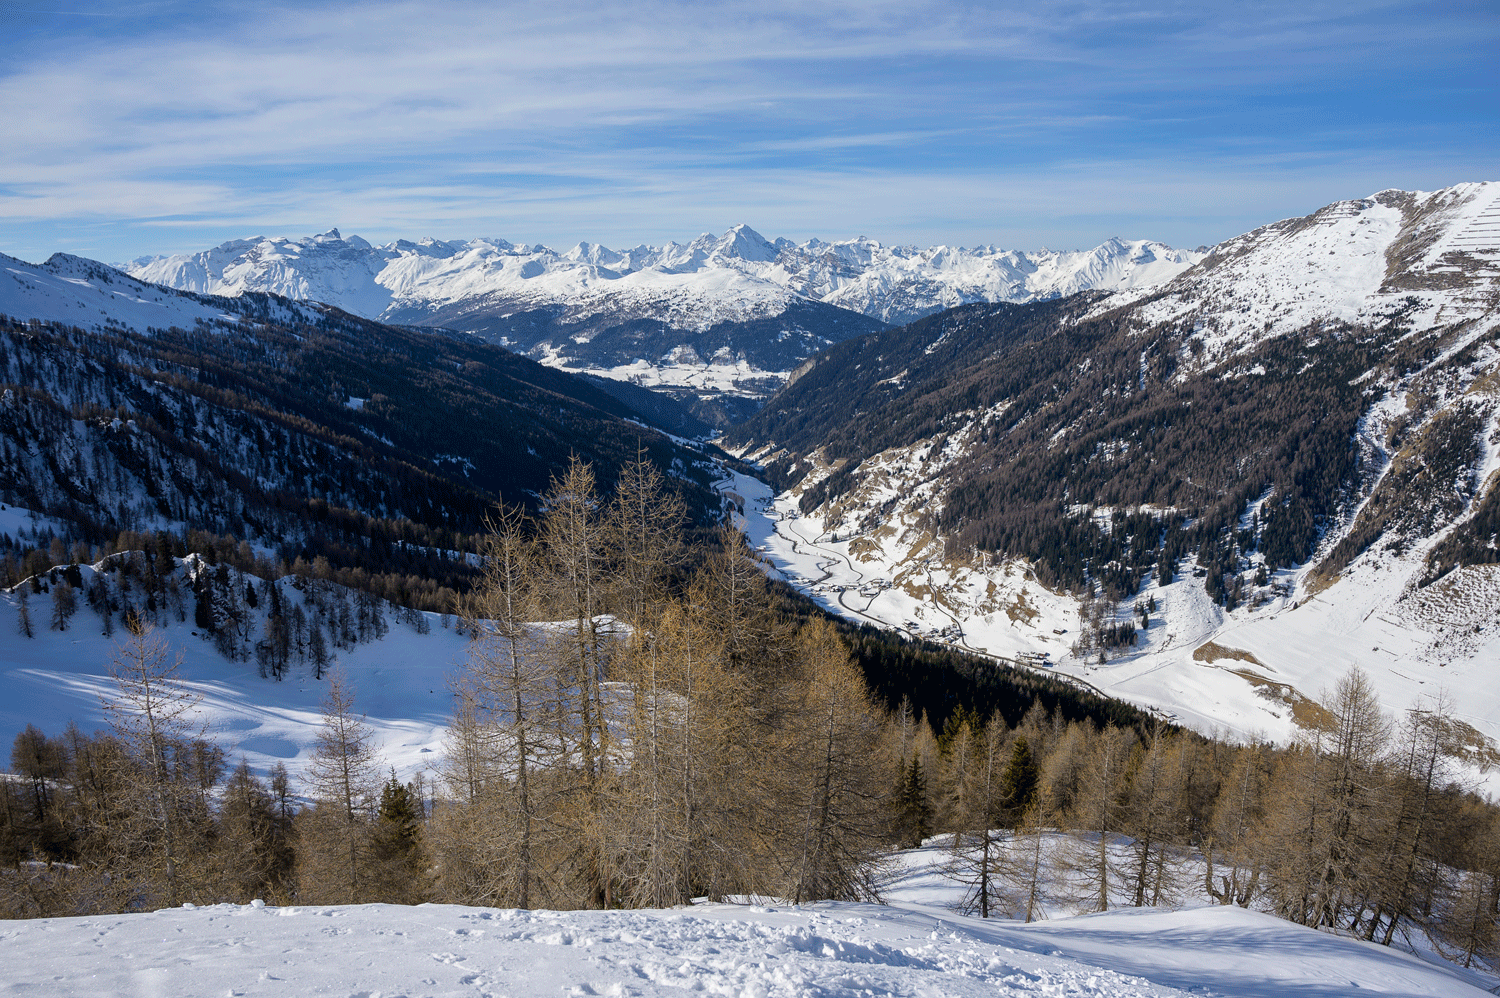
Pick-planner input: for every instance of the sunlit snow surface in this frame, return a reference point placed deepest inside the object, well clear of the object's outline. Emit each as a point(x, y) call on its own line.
point(730, 277)
point(79, 292)
point(735, 277)
point(1433, 257)
point(400, 683)
point(913, 946)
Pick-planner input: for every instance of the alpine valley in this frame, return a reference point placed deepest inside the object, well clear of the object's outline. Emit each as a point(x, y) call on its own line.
point(1203, 482)
point(1099, 487)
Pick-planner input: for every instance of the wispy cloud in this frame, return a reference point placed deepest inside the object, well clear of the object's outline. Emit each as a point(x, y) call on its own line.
point(177, 123)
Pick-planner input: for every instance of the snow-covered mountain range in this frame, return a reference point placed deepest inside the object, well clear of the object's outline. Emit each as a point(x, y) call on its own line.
point(736, 276)
point(1288, 457)
point(731, 313)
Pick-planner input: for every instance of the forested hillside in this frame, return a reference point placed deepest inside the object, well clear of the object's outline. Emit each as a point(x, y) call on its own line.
point(1103, 440)
point(1065, 412)
point(372, 446)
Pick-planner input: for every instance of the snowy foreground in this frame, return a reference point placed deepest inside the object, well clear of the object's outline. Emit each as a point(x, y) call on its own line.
point(829, 949)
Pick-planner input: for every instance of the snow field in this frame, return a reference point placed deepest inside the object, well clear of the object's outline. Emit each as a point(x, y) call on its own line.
point(1338, 264)
point(768, 950)
point(90, 295)
point(29, 291)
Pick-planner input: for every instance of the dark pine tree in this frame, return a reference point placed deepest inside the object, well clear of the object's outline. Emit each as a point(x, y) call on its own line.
point(913, 810)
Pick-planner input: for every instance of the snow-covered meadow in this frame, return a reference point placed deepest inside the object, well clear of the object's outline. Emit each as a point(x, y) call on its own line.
point(914, 945)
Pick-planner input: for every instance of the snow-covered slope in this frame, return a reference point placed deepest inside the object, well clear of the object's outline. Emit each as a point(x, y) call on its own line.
point(555, 305)
point(1431, 257)
point(399, 681)
point(826, 950)
point(83, 293)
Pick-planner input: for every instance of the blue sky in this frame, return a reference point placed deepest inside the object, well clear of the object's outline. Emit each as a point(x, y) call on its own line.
point(160, 127)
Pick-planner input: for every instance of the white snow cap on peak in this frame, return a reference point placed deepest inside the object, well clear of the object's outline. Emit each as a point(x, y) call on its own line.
point(745, 243)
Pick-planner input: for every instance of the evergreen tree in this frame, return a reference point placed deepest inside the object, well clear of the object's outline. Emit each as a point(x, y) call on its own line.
point(317, 650)
point(396, 851)
point(23, 614)
point(64, 604)
point(913, 810)
point(203, 603)
point(1018, 782)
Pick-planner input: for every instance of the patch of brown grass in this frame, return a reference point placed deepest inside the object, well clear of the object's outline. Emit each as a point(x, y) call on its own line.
point(1211, 652)
point(1020, 610)
point(1472, 745)
point(1306, 712)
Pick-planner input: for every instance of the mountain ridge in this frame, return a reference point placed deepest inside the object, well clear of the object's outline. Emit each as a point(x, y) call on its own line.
point(860, 270)
point(714, 320)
